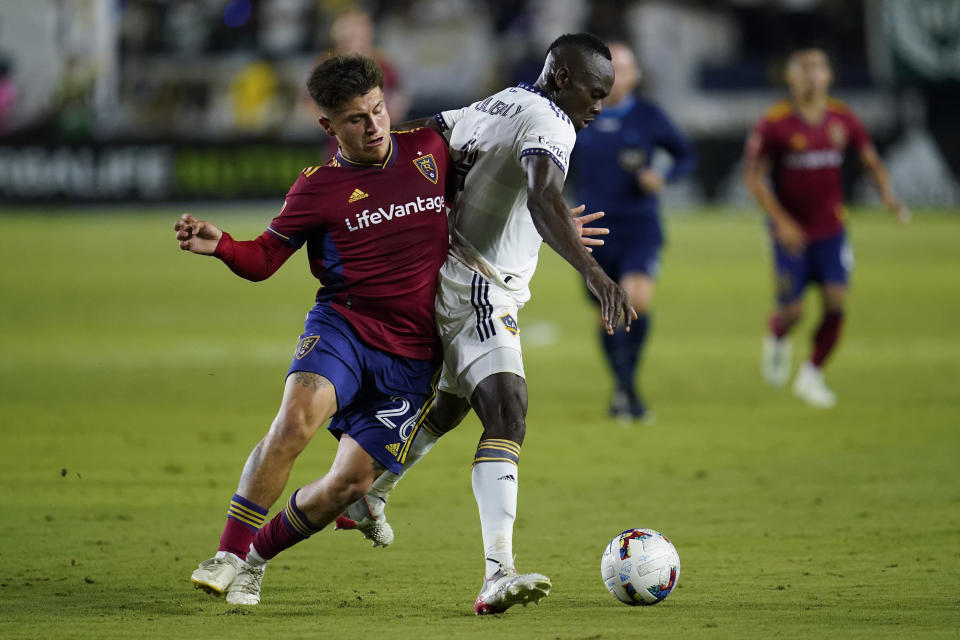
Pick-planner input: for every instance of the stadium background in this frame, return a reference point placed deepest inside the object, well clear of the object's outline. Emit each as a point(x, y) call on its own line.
point(134, 379)
point(149, 100)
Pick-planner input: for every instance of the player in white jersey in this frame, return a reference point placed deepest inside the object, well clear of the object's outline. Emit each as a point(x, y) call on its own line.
point(512, 151)
point(494, 241)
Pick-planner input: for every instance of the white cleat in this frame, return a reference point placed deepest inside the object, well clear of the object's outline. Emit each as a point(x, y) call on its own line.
point(217, 574)
point(810, 387)
point(775, 366)
point(245, 588)
point(506, 588)
point(366, 516)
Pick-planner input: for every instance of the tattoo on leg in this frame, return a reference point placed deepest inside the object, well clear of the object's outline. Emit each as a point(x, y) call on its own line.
point(311, 380)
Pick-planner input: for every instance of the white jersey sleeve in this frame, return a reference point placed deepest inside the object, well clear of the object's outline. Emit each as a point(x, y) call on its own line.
point(448, 120)
point(549, 136)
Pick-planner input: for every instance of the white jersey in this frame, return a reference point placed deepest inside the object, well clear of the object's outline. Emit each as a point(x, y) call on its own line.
point(491, 230)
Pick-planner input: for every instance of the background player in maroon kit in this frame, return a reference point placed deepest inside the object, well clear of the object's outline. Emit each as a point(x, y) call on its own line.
point(800, 144)
point(374, 223)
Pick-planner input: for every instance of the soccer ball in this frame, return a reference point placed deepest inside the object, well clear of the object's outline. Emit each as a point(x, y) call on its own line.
point(640, 567)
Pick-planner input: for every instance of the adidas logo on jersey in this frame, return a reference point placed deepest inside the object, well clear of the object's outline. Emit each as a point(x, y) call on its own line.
point(393, 448)
point(358, 195)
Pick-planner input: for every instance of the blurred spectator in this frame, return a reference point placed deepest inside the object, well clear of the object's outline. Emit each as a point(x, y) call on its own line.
point(673, 40)
point(187, 27)
point(552, 18)
point(8, 96)
point(353, 32)
point(74, 98)
point(284, 26)
point(253, 98)
point(445, 48)
point(215, 69)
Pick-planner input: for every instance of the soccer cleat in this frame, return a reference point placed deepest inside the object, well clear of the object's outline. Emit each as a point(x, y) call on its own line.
point(810, 387)
point(216, 574)
point(619, 407)
point(506, 588)
point(776, 361)
point(245, 588)
point(629, 407)
point(366, 516)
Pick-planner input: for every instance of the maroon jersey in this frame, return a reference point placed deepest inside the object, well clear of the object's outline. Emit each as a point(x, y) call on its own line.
point(806, 159)
point(376, 237)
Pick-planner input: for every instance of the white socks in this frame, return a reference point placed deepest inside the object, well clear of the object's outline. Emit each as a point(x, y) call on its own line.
point(495, 488)
point(254, 559)
point(423, 441)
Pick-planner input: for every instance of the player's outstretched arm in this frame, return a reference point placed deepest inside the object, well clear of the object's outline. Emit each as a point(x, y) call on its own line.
point(871, 160)
point(559, 230)
point(787, 231)
point(197, 236)
point(253, 260)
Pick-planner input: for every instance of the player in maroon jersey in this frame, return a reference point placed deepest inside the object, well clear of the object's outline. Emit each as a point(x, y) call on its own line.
point(374, 224)
point(800, 144)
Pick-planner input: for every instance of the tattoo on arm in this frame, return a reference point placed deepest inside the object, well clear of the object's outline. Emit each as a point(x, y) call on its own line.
point(311, 380)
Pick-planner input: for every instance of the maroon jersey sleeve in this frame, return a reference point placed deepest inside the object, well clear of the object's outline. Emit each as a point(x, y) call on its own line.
point(300, 214)
point(260, 258)
point(760, 142)
point(254, 260)
point(859, 138)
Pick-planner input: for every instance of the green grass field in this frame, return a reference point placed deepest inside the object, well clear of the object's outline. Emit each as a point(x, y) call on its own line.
point(134, 379)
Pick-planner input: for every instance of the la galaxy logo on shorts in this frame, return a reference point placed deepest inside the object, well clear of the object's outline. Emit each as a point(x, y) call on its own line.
point(427, 166)
point(306, 345)
point(510, 323)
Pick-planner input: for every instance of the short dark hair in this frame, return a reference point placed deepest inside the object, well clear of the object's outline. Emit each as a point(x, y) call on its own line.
point(585, 41)
point(341, 78)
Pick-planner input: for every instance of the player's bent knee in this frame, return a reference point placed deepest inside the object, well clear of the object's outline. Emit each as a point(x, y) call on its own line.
point(640, 298)
point(790, 313)
point(834, 298)
point(502, 409)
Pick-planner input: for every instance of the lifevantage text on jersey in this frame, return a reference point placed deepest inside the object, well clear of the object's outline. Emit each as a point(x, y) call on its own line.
point(366, 218)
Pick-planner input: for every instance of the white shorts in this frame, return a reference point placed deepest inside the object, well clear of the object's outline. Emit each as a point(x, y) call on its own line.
point(477, 323)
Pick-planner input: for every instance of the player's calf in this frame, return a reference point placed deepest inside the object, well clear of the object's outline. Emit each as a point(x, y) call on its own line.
point(348, 480)
point(366, 515)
